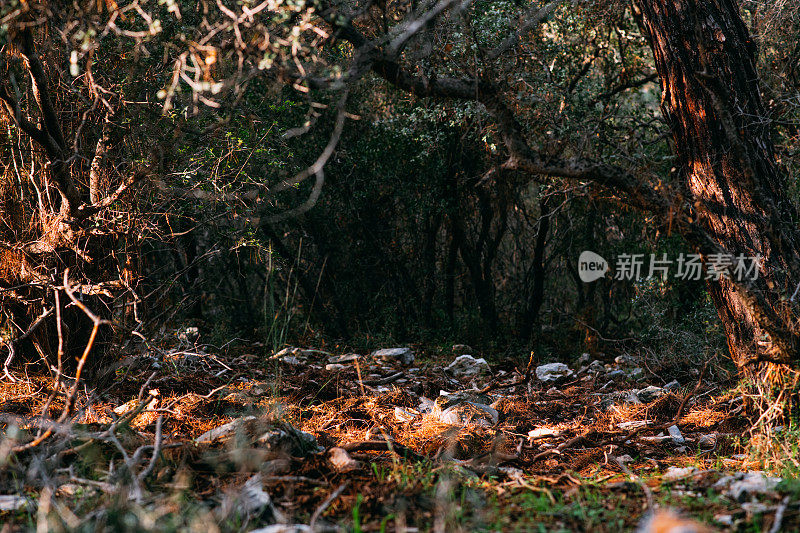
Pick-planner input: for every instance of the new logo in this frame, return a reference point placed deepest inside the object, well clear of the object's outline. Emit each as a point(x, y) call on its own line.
point(591, 266)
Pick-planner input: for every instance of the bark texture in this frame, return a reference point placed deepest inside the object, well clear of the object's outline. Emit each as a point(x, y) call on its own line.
point(729, 178)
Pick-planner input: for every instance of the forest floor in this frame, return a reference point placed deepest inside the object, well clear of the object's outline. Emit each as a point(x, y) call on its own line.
point(189, 438)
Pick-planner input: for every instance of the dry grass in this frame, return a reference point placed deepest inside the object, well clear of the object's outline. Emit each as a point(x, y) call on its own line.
point(208, 477)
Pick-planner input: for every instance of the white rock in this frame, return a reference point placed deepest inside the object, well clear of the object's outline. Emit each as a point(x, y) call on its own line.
point(707, 441)
point(743, 484)
point(513, 473)
point(253, 498)
point(633, 397)
point(404, 415)
point(542, 432)
point(427, 405)
point(634, 424)
point(289, 439)
point(466, 366)
point(616, 375)
point(655, 438)
point(341, 460)
point(470, 413)
point(189, 335)
point(596, 366)
point(552, 371)
point(402, 355)
point(676, 435)
point(724, 519)
point(636, 373)
point(461, 349)
point(284, 528)
point(222, 431)
point(290, 350)
point(346, 358)
point(648, 394)
point(624, 360)
point(334, 367)
point(675, 473)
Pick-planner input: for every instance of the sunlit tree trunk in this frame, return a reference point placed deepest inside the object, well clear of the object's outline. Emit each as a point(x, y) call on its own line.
point(728, 175)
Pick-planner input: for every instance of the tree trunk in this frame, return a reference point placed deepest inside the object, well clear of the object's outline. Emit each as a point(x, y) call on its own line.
point(727, 172)
point(530, 316)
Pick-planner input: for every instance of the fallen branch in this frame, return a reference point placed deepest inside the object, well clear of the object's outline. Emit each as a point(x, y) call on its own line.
point(384, 380)
point(382, 446)
point(326, 503)
point(68, 402)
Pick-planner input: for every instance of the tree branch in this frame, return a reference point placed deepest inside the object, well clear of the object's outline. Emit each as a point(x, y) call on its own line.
point(41, 90)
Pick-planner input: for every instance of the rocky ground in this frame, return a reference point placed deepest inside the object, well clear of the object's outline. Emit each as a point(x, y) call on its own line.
point(391, 440)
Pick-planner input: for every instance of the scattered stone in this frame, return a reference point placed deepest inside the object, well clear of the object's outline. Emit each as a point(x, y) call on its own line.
point(674, 473)
point(470, 413)
point(610, 401)
point(189, 335)
point(552, 371)
point(462, 349)
point(252, 499)
point(676, 435)
point(225, 430)
point(633, 397)
point(287, 438)
point(131, 405)
point(426, 405)
point(341, 460)
point(402, 355)
point(656, 438)
point(584, 358)
point(596, 367)
point(707, 441)
point(404, 415)
point(625, 360)
point(744, 485)
point(288, 351)
point(284, 528)
point(346, 358)
point(616, 375)
point(334, 367)
point(724, 519)
point(634, 424)
point(291, 360)
point(448, 399)
point(542, 432)
point(650, 393)
point(513, 473)
point(466, 366)
point(754, 508)
point(12, 502)
point(672, 385)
